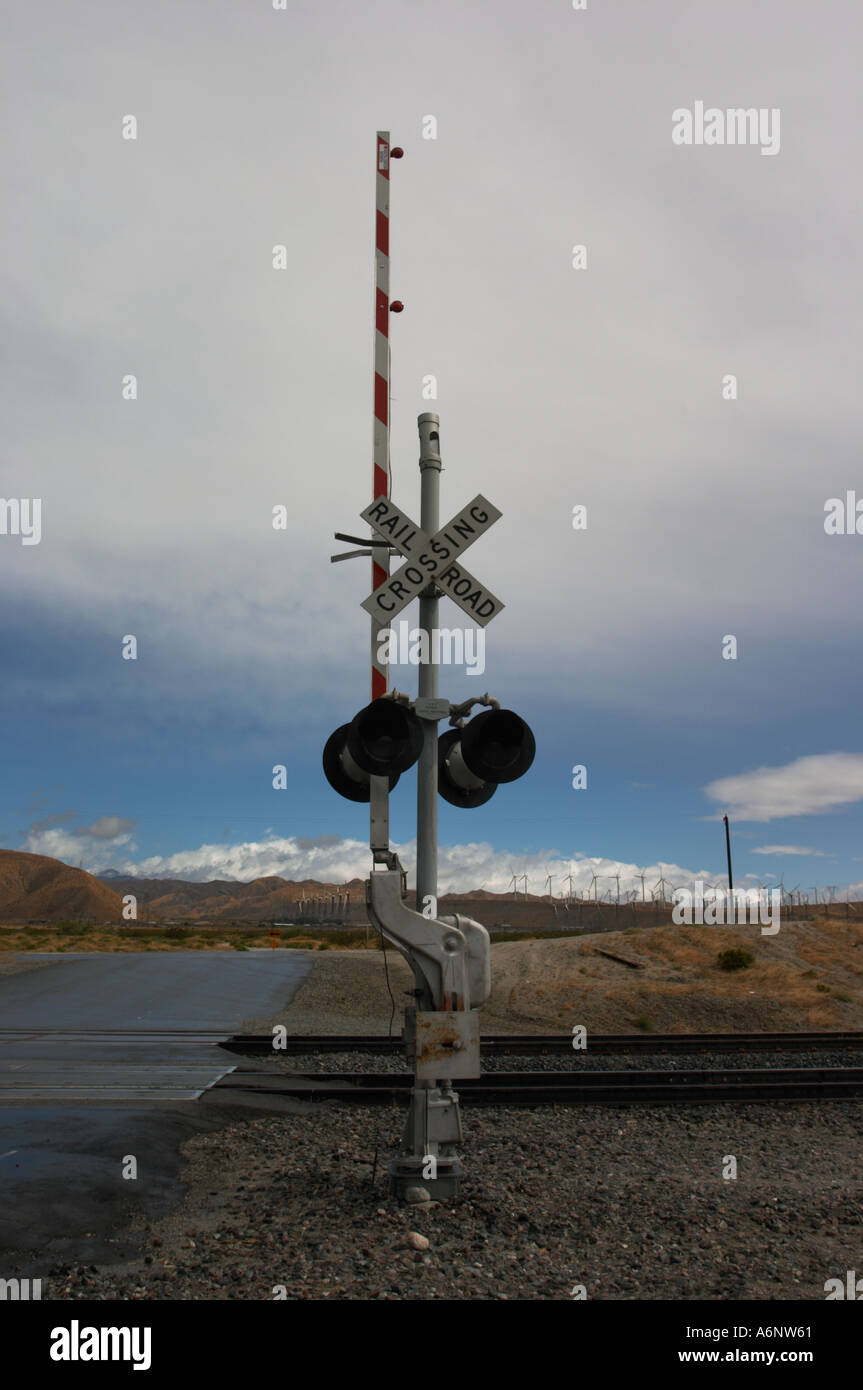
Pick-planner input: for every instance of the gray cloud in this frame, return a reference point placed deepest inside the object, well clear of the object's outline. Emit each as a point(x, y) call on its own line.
point(701, 261)
point(36, 827)
point(107, 828)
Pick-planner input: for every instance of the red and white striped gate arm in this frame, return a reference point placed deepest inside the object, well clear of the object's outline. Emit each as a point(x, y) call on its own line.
point(381, 438)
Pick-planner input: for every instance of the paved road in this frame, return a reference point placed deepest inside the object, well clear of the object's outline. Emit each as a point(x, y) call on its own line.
point(73, 1104)
point(151, 989)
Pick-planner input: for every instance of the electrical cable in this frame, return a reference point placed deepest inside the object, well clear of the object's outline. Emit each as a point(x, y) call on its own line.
point(389, 988)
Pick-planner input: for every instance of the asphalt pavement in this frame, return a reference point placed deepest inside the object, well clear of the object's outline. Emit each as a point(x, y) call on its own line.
point(87, 1086)
point(150, 989)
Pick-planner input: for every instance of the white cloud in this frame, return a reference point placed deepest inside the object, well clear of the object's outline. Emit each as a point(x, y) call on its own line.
point(78, 848)
point(809, 786)
point(790, 849)
point(331, 859)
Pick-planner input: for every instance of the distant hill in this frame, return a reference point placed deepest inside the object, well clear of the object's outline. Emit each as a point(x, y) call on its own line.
point(225, 900)
point(34, 888)
point(263, 900)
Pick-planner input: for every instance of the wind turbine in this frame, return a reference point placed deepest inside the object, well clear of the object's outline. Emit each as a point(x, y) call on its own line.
point(661, 883)
point(593, 883)
point(548, 882)
point(513, 883)
point(642, 877)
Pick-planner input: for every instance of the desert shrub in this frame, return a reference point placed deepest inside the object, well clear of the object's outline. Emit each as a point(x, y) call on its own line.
point(645, 1023)
point(177, 933)
point(734, 959)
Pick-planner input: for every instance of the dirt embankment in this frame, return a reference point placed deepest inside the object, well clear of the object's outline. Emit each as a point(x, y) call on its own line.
point(808, 976)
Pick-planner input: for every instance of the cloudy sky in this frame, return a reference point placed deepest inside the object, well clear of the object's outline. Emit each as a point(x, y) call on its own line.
point(603, 386)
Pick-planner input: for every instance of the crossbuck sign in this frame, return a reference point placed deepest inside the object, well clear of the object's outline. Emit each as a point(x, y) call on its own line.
point(432, 559)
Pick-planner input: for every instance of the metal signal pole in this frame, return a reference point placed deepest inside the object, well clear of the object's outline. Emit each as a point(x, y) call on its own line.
point(430, 467)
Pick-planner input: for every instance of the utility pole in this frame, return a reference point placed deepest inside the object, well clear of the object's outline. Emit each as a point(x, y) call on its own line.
point(728, 854)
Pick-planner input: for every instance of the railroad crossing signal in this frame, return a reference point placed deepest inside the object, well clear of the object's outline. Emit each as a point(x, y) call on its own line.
point(386, 738)
point(497, 746)
point(432, 559)
point(383, 740)
point(363, 760)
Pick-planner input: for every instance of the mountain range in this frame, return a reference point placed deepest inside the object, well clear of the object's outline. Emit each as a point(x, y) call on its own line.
point(35, 888)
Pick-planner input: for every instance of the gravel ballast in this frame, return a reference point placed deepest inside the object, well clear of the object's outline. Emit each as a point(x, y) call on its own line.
point(629, 1203)
point(575, 1063)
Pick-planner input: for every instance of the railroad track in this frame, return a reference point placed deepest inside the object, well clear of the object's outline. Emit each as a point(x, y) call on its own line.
point(193, 1036)
point(259, 1044)
point(740, 1085)
point(153, 1060)
point(505, 1044)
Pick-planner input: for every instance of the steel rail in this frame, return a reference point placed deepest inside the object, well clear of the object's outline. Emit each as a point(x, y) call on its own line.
point(739, 1085)
point(255, 1044)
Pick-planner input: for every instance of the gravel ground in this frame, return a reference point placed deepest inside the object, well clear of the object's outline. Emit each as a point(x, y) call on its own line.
point(362, 991)
point(804, 978)
point(628, 1203)
point(567, 1061)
